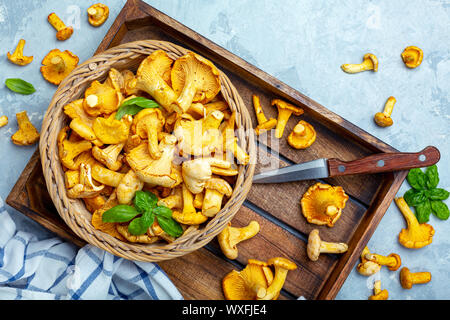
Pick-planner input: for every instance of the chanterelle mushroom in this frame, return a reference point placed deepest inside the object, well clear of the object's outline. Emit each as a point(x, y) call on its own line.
point(188, 215)
point(367, 267)
point(110, 130)
point(63, 32)
point(282, 266)
point(383, 119)
point(27, 133)
point(302, 136)
point(128, 186)
point(264, 124)
point(285, 110)
point(109, 156)
point(194, 79)
point(379, 294)
point(86, 187)
point(322, 204)
point(392, 261)
point(416, 235)
point(196, 172)
point(3, 121)
point(100, 98)
point(408, 279)
point(17, 56)
point(97, 14)
point(57, 65)
point(231, 236)
point(412, 56)
point(250, 283)
point(216, 189)
point(370, 62)
point(148, 123)
point(149, 78)
point(316, 246)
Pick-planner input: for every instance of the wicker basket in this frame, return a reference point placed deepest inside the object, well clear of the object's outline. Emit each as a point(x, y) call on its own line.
point(74, 212)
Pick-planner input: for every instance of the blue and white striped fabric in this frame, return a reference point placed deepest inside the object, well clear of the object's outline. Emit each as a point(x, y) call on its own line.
point(54, 269)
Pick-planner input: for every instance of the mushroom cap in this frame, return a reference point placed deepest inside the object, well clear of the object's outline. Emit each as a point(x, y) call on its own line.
point(51, 73)
point(283, 263)
point(193, 72)
point(382, 295)
point(373, 58)
point(157, 63)
point(313, 247)
point(398, 261)
point(318, 198)
point(383, 120)
point(101, 98)
point(115, 80)
point(148, 117)
point(97, 14)
point(64, 33)
point(75, 109)
point(219, 185)
point(412, 56)
point(269, 124)
point(416, 238)
point(195, 174)
point(405, 278)
point(368, 268)
point(283, 105)
point(110, 130)
point(302, 136)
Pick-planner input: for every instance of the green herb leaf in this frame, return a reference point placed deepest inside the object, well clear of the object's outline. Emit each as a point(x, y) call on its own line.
point(170, 226)
point(423, 211)
point(145, 201)
point(417, 179)
point(413, 197)
point(440, 210)
point(120, 213)
point(433, 177)
point(19, 86)
point(134, 105)
point(163, 211)
point(437, 194)
point(141, 224)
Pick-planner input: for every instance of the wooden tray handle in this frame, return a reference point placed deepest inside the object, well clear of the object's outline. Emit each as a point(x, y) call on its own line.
point(384, 162)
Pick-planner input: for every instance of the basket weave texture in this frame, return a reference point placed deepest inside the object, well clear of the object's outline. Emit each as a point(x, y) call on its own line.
point(74, 212)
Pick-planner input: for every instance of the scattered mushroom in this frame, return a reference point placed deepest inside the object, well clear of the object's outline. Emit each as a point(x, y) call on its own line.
point(17, 56)
point(302, 136)
point(57, 65)
point(27, 134)
point(3, 121)
point(231, 236)
point(379, 294)
point(322, 204)
point(370, 62)
point(383, 119)
point(285, 110)
point(97, 14)
point(251, 283)
point(194, 79)
point(63, 32)
point(264, 124)
point(367, 267)
point(282, 266)
point(412, 56)
point(215, 190)
point(408, 279)
point(392, 261)
point(416, 235)
point(316, 246)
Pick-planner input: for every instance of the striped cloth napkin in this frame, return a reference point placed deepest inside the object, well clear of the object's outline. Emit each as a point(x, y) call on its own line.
point(54, 269)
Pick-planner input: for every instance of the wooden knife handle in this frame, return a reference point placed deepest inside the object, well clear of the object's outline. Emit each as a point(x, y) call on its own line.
point(384, 162)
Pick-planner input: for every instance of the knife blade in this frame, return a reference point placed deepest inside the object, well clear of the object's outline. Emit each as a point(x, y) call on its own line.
point(326, 168)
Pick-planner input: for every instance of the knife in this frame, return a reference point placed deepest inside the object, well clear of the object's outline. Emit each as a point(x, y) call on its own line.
point(326, 168)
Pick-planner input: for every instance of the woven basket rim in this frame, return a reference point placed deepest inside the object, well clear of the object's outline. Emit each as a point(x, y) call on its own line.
point(74, 212)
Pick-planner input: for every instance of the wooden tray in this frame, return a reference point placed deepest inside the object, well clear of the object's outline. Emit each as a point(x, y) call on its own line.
point(284, 230)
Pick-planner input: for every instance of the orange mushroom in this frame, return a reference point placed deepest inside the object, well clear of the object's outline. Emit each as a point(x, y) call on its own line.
point(57, 65)
point(302, 136)
point(412, 56)
point(97, 14)
point(17, 56)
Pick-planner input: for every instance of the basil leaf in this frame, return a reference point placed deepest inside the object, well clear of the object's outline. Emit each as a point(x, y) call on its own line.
point(163, 211)
point(440, 210)
point(423, 211)
point(414, 197)
point(145, 201)
point(19, 86)
point(134, 105)
point(417, 179)
point(141, 224)
point(433, 177)
point(437, 194)
point(119, 213)
point(170, 226)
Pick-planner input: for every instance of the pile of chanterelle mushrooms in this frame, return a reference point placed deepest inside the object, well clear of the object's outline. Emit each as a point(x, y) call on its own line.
point(165, 131)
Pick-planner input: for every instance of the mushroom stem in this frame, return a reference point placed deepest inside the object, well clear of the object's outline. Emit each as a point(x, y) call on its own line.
point(377, 287)
point(283, 118)
point(389, 106)
point(331, 210)
point(94, 13)
point(56, 22)
point(277, 283)
point(331, 247)
point(392, 261)
point(58, 63)
point(300, 129)
point(409, 216)
point(258, 110)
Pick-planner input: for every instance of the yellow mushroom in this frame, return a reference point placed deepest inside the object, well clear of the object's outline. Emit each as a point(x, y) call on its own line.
point(106, 176)
point(86, 187)
point(302, 136)
point(383, 119)
point(230, 141)
point(230, 237)
point(129, 184)
point(110, 130)
point(264, 124)
point(412, 56)
point(189, 215)
point(408, 279)
point(17, 56)
point(116, 80)
point(109, 156)
point(57, 65)
point(63, 32)
point(215, 190)
point(107, 227)
point(316, 246)
point(71, 178)
point(128, 81)
point(392, 261)
point(416, 235)
point(379, 294)
point(100, 98)
point(285, 110)
point(148, 123)
point(367, 267)
point(97, 14)
point(142, 238)
point(322, 204)
point(250, 283)
point(27, 134)
point(3, 121)
point(173, 200)
point(194, 79)
point(282, 267)
point(150, 78)
point(95, 203)
point(370, 62)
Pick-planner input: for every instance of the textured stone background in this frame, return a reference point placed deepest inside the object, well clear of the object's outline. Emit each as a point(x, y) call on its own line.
point(303, 43)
